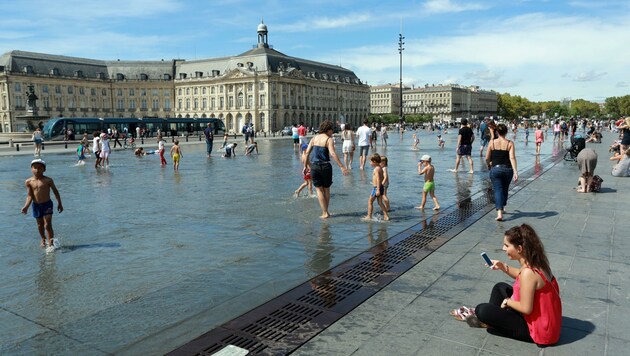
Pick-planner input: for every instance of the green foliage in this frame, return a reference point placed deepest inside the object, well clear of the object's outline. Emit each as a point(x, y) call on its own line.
point(617, 106)
point(515, 107)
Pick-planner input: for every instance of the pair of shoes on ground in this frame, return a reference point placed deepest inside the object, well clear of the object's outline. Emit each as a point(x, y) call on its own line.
point(468, 315)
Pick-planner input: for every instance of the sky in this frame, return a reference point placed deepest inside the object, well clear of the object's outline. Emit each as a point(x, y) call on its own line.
point(538, 49)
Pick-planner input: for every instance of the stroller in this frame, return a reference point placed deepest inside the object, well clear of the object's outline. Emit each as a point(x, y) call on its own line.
point(577, 144)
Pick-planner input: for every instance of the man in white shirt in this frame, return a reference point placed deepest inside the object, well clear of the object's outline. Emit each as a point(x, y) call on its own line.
point(363, 133)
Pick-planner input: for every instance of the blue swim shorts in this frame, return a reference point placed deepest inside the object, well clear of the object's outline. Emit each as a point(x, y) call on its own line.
point(43, 209)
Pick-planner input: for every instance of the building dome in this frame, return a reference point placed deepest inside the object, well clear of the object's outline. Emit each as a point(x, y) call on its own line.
point(262, 27)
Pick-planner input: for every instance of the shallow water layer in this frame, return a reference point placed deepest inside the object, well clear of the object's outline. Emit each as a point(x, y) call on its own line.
point(151, 258)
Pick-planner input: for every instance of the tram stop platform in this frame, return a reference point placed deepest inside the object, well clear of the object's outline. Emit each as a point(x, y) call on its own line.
point(395, 298)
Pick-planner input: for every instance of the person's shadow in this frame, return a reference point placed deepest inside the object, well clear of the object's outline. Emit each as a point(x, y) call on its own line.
point(68, 248)
point(533, 214)
point(574, 330)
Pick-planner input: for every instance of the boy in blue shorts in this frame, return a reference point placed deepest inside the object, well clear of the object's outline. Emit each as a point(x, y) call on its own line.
point(38, 189)
point(378, 188)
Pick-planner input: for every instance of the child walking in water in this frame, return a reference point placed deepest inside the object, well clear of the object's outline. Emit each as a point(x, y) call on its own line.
point(160, 142)
point(38, 189)
point(378, 189)
point(385, 182)
point(425, 167)
point(440, 141)
point(416, 141)
point(306, 174)
point(540, 138)
point(176, 154)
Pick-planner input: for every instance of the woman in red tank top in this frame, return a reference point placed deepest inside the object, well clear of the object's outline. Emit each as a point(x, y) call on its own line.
point(530, 309)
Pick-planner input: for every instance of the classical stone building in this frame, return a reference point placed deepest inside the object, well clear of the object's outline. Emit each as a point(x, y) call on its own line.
point(269, 89)
point(450, 102)
point(262, 86)
point(385, 99)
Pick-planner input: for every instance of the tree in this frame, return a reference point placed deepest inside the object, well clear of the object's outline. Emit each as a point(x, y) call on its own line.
point(583, 108)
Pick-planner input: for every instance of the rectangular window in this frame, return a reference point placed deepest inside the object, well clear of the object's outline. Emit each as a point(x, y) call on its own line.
point(132, 104)
point(57, 89)
point(154, 92)
point(212, 103)
point(71, 104)
point(119, 92)
point(45, 88)
point(120, 104)
point(18, 101)
point(104, 92)
point(46, 102)
point(167, 104)
point(132, 92)
point(167, 92)
point(18, 87)
point(261, 101)
point(143, 92)
point(143, 104)
point(81, 90)
point(221, 102)
point(93, 91)
point(156, 104)
point(250, 101)
point(230, 101)
point(70, 89)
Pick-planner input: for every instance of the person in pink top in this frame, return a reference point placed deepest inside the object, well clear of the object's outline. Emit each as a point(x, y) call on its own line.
point(540, 138)
point(530, 309)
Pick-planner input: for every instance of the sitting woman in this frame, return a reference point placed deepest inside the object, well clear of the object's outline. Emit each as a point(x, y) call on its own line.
point(587, 161)
point(622, 168)
point(530, 309)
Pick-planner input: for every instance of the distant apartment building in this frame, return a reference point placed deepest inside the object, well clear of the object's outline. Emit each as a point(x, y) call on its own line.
point(261, 86)
point(450, 102)
point(385, 99)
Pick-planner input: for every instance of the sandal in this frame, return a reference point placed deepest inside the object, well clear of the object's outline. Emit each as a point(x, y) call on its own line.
point(462, 313)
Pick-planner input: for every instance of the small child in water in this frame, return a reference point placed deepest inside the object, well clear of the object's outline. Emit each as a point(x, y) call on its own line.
point(440, 141)
point(378, 189)
point(425, 167)
point(176, 154)
point(385, 182)
point(306, 174)
point(38, 189)
point(416, 141)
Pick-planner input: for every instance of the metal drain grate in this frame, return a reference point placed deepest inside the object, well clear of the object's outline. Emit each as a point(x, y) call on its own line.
point(283, 324)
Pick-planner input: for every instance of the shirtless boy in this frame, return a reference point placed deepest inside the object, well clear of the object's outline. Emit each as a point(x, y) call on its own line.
point(425, 167)
point(377, 191)
point(176, 154)
point(38, 194)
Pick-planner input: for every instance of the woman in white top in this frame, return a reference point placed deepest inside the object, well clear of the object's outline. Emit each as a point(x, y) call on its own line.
point(348, 145)
point(105, 149)
point(384, 135)
point(37, 138)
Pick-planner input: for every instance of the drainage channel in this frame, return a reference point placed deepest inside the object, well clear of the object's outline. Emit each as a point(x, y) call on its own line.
point(286, 322)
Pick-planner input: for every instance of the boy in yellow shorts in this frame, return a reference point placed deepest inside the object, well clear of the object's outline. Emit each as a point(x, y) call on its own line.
point(425, 167)
point(176, 154)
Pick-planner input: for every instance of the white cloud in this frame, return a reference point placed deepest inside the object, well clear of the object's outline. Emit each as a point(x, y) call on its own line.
point(588, 76)
point(326, 23)
point(443, 6)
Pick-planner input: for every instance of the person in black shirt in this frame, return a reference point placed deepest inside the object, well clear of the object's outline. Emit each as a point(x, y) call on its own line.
point(464, 145)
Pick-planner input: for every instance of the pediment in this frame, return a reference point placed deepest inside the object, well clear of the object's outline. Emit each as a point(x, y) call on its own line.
point(239, 73)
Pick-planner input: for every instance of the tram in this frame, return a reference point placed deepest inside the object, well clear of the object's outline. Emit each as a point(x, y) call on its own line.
point(56, 128)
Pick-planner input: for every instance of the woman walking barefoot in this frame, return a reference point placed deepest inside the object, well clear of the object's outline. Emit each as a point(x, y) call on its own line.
point(323, 148)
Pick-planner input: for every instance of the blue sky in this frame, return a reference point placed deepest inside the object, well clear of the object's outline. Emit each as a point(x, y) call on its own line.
point(542, 50)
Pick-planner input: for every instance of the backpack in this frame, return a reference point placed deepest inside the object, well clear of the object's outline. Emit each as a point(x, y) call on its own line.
point(486, 133)
point(244, 130)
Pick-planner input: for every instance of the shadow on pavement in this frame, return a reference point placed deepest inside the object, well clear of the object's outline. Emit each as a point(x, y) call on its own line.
point(533, 214)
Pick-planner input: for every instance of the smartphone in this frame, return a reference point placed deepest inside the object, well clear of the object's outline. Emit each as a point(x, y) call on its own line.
point(487, 259)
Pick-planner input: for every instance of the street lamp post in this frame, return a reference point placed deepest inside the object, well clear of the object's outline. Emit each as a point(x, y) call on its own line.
point(400, 51)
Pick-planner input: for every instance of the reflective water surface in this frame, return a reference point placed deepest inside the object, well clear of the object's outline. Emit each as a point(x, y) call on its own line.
point(151, 259)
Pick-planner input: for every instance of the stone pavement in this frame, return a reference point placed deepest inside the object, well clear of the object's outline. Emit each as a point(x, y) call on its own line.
point(587, 239)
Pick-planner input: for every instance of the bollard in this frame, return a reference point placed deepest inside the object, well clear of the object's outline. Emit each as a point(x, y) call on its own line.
point(199, 137)
point(66, 144)
point(142, 140)
point(235, 135)
point(173, 139)
point(17, 147)
point(186, 138)
point(264, 133)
